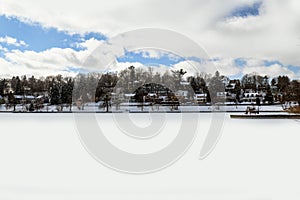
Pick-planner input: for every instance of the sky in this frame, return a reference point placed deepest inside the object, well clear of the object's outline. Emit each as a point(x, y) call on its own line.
point(238, 36)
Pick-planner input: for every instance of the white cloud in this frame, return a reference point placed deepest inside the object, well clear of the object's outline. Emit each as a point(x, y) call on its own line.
point(250, 23)
point(226, 66)
point(151, 53)
point(49, 62)
point(12, 41)
point(271, 71)
point(156, 54)
point(3, 49)
point(115, 16)
point(273, 35)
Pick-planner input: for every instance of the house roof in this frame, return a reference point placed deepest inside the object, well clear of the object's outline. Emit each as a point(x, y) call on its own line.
point(184, 83)
point(18, 96)
point(26, 97)
point(201, 95)
point(29, 97)
point(129, 95)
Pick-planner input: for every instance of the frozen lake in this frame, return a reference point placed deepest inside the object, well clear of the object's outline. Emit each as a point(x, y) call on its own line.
point(42, 158)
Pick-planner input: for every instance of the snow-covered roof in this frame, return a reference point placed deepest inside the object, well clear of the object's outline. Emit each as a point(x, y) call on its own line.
point(222, 93)
point(251, 93)
point(201, 95)
point(22, 97)
point(18, 96)
point(29, 97)
point(184, 83)
point(181, 91)
point(129, 95)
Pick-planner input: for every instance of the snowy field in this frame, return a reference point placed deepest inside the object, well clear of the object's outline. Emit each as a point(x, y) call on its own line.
point(42, 158)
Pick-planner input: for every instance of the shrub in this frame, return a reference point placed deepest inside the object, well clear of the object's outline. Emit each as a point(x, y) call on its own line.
point(294, 109)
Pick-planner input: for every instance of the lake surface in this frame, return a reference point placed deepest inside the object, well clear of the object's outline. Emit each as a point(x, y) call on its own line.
point(42, 157)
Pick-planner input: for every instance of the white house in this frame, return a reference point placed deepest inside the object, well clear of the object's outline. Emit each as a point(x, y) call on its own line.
point(252, 96)
point(200, 98)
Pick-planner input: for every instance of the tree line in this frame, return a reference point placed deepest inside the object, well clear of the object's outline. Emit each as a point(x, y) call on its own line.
point(94, 87)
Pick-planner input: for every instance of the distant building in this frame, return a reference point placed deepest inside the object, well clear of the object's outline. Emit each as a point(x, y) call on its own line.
point(224, 96)
point(233, 86)
point(251, 96)
point(182, 94)
point(234, 89)
point(184, 83)
point(21, 99)
point(200, 98)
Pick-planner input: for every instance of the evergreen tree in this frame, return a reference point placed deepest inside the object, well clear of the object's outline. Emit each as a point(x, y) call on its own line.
point(105, 86)
point(67, 92)
point(2, 87)
point(19, 88)
point(55, 93)
point(215, 85)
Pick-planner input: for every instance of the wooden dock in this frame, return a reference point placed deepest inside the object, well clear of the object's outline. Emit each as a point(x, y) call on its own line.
point(271, 116)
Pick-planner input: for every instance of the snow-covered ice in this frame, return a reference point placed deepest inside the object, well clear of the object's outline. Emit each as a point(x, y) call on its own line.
point(42, 158)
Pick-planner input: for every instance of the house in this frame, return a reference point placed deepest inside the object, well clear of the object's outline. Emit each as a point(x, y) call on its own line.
point(24, 98)
point(200, 98)
point(18, 98)
point(223, 96)
point(182, 94)
point(251, 96)
point(233, 86)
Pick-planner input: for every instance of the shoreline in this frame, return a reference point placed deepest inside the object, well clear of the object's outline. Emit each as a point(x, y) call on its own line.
point(286, 116)
point(134, 111)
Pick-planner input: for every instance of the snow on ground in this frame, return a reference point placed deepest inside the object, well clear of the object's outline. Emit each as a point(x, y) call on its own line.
point(92, 107)
point(42, 158)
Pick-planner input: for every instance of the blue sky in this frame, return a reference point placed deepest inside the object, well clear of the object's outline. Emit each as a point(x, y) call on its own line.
point(164, 59)
point(40, 39)
point(247, 10)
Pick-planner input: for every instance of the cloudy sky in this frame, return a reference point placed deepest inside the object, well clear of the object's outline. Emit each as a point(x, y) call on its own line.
point(238, 36)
